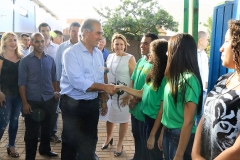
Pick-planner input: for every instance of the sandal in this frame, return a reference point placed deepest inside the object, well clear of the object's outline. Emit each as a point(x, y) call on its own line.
point(15, 155)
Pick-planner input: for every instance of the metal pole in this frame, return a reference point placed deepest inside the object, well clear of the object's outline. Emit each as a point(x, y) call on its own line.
point(195, 20)
point(13, 15)
point(186, 16)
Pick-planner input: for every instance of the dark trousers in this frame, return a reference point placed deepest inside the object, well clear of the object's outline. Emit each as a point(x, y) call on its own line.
point(155, 153)
point(79, 135)
point(140, 147)
point(42, 115)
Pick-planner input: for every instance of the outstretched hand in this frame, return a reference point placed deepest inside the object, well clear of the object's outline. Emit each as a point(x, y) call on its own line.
point(109, 88)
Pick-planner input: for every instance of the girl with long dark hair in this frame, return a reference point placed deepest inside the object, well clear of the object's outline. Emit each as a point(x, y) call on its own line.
point(182, 98)
point(152, 91)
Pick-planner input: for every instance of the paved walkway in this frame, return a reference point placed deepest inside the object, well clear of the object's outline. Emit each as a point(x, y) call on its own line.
point(106, 154)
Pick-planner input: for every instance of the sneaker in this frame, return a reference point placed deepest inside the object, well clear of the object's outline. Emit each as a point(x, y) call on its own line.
point(56, 139)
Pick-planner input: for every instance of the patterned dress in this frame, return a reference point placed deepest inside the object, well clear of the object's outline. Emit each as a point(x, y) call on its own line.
point(221, 121)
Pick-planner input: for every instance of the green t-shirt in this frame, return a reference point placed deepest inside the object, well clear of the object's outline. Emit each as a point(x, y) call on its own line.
point(173, 115)
point(139, 77)
point(152, 98)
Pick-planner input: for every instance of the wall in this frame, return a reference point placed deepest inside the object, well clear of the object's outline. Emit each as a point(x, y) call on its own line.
point(134, 47)
point(22, 24)
point(6, 15)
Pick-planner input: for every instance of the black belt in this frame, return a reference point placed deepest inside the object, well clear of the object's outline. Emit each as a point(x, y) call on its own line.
point(80, 100)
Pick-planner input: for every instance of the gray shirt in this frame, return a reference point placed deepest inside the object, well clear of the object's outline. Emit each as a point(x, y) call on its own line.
point(37, 76)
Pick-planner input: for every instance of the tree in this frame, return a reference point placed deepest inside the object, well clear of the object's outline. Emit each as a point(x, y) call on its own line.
point(208, 24)
point(133, 18)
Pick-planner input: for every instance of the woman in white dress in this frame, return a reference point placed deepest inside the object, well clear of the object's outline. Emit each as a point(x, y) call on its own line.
point(121, 66)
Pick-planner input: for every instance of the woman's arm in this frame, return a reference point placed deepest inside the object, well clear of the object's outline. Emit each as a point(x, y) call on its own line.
point(134, 92)
point(2, 96)
point(131, 65)
point(157, 124)
point(189, 111)
point(197, 143)
point(232, 153)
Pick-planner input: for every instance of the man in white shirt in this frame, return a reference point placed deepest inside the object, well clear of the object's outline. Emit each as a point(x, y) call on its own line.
point(203, 62)
point(25, 44)
point(73, 32)
point(50, 49)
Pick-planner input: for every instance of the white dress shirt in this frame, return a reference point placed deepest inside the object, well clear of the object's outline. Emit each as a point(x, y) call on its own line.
point(203, 67)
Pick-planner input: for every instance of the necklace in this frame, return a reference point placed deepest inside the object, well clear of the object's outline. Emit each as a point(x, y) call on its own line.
point(111, 69)
point(116, 83)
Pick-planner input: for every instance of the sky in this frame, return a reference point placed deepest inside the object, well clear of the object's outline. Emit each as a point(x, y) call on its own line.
point(81, 9)
point(77, 8)
point(84, 8)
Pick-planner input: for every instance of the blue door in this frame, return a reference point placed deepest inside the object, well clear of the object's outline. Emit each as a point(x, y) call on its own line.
point(222, 14)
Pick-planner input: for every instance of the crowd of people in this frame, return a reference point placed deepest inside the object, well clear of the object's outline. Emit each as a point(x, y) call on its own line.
point(163, 94)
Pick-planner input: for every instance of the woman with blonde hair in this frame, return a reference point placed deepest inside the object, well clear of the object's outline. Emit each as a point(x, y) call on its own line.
point(10, 100)
point(121, 66)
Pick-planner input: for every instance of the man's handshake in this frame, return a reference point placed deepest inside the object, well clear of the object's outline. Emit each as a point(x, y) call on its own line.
point(112, 89)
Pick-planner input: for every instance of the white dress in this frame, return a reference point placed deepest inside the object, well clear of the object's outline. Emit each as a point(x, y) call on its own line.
point(118, 74)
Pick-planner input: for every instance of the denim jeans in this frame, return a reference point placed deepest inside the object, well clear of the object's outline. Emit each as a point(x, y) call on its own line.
point(170, 144)
point(155, 153)
point(200, 115)
point(140, 147)
point(9, 113)
point(80, 121)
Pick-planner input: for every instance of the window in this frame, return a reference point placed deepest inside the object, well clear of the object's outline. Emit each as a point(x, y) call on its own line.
point(23, 12)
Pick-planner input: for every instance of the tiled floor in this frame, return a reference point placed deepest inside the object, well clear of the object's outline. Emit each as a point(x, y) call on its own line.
point(106, 154)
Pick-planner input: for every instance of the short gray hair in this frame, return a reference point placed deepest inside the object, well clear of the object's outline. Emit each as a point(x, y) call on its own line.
point(202, 34)
point(88, 25)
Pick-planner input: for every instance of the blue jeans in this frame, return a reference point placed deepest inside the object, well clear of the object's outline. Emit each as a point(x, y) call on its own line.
point(200, 115)
point(9, 113)
point(170, 144)
point(80, 122)
point(140, 147)
point(155, 153)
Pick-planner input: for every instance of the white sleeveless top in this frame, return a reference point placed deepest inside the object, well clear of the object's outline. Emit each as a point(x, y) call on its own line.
point(118, 74)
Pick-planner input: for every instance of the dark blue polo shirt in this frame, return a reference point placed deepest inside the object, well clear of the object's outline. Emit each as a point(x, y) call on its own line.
point(37, 76)
point(105, 53)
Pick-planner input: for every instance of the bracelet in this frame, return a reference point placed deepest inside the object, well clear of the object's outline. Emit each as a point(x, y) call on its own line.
point(103, 87)
point(56, 93)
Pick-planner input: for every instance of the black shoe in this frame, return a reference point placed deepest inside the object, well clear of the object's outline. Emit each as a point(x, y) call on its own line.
point(50, 154)
point(117, 154)
point(55, 139)
point(106, 146)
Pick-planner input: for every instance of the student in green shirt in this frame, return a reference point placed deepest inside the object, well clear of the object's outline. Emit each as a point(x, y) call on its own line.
point(181, 100)
point(152, 91)
point(138, 80)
